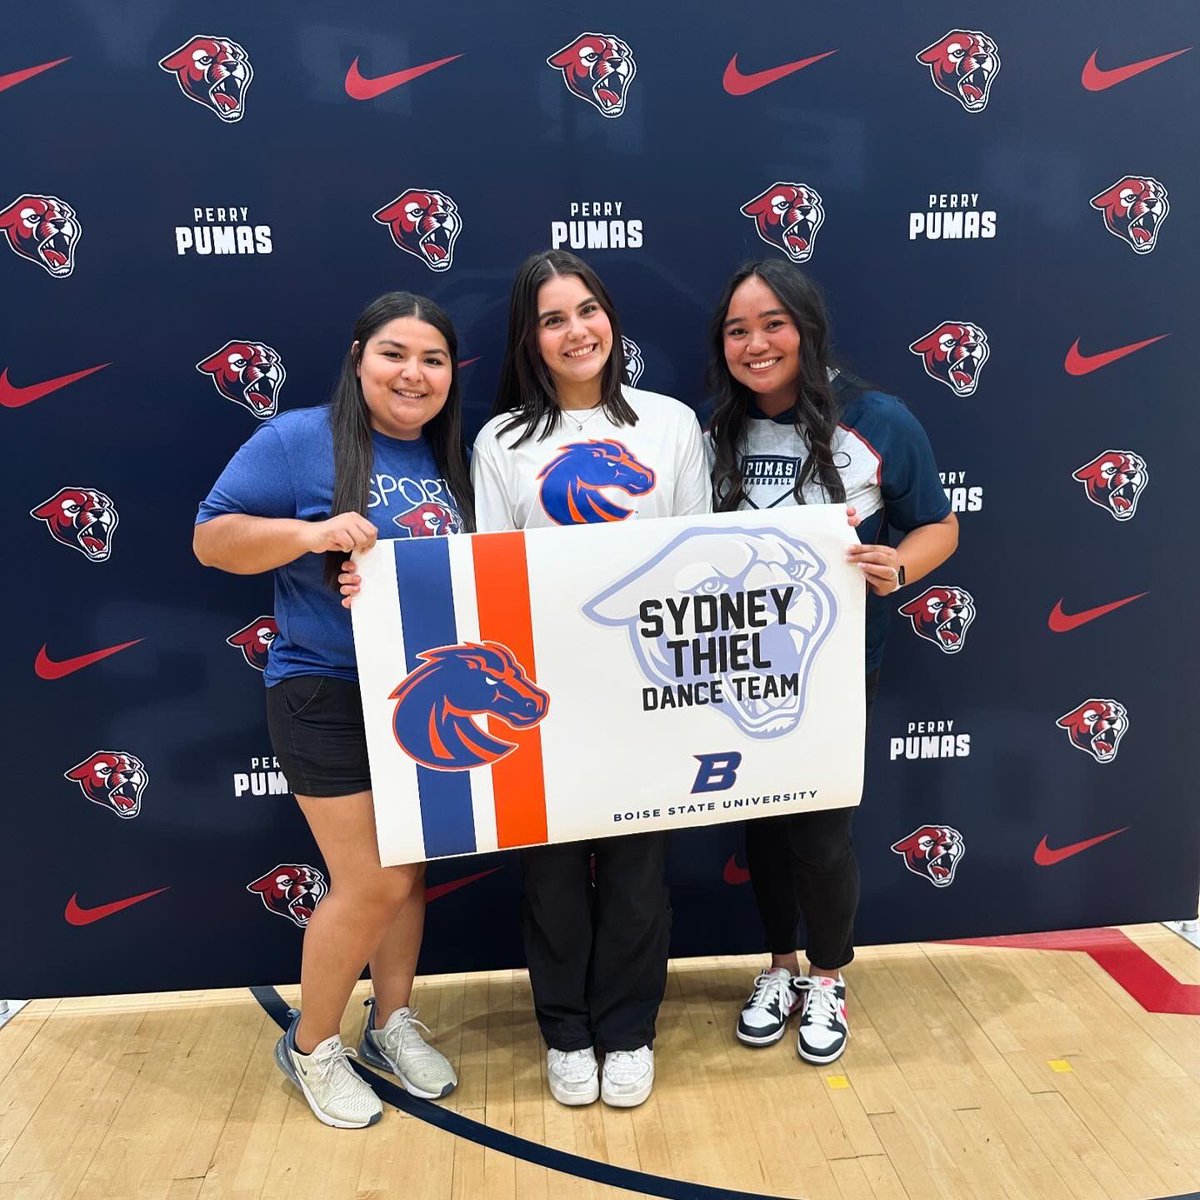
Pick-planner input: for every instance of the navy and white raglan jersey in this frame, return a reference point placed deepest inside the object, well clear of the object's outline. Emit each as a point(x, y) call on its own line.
point(600, 473)
point(887, 468)
point(286, 470)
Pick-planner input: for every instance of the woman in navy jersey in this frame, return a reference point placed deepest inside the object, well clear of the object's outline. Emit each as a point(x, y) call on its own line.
point(385, 459)
point(596, 915)
point(779, 399)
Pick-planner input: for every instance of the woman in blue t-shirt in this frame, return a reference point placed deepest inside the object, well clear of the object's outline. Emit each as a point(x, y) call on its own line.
point(789, 429)
point(313, 486)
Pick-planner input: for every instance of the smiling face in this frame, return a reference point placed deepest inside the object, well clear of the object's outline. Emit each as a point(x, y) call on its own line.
point(762, 345)
point(574, 338)
point(405, 372)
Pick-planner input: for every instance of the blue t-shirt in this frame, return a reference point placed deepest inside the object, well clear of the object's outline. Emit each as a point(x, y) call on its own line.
point(286, 470)
point(886, 465)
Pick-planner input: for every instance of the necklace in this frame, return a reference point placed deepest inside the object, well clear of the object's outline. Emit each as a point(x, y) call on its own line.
point(576, 421)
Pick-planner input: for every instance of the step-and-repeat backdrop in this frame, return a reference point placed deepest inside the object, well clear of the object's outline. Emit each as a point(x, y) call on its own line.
point(195, 206)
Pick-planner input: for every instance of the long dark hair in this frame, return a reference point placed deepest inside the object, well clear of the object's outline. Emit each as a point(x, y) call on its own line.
point(526, 387)
point(353, 452)
point(816, 408)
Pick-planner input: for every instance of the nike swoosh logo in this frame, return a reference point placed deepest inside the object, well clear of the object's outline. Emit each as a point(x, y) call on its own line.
point(444, 889)
point(76, 914)
point(1061, 622)
point(1096, 79)
point(1045, 857)
point(358, 88)
point(734, 873)
point(737, 84)
point(15, 77)
point(44, 667)
point(12, 396)
point(1077, 363)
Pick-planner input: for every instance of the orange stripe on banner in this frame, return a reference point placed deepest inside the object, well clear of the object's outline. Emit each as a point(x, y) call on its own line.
point(502, 595)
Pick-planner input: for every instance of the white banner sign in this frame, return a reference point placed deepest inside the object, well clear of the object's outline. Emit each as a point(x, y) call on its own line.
point(567, 683)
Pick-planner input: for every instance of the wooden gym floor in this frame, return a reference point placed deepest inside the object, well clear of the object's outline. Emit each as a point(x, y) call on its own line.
point(971, 1072)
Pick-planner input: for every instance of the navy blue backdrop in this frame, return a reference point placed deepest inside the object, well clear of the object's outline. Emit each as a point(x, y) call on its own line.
point(194, 208)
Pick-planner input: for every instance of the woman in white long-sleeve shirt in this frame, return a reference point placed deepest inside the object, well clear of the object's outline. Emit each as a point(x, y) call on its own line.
point(570, 443)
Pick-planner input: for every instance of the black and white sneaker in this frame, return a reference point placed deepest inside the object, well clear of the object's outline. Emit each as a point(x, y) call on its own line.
point(823, 1030)
point(772, 1001)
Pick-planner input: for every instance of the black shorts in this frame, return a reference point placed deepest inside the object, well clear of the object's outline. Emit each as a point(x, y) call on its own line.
point(316, 725)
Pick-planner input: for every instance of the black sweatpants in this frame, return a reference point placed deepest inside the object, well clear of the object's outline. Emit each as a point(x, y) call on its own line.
point(803, 864)
point(597, 948)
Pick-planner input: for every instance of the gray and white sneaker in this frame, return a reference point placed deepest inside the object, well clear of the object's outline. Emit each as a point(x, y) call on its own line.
point(573, 1075)
point(628, 1077)
point(334, 1092)
point(824, 1027)
point(773, 999)
point(399, 1048)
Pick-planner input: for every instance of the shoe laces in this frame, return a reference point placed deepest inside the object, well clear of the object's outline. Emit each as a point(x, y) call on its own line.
point(401, 1033)
point(333, 1068)
point(627, 1066)
point(768, 987)
point(821, 1006)
point(573, 1065)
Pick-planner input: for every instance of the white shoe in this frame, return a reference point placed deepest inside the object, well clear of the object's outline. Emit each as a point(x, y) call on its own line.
point(573, 1075)
point(772, 1001)
point(399, 1047)
point(628, 1077)
point(334, 1092)
point(824, 1028)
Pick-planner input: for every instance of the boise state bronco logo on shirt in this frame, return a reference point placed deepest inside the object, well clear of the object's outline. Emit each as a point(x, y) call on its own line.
point(435, 703)
point(574, 483)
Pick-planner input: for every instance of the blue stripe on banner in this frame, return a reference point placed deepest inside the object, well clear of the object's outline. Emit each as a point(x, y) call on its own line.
point(427, 611)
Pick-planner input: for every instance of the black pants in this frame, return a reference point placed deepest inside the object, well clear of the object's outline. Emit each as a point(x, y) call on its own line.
point(803, 864)
point(597, 949)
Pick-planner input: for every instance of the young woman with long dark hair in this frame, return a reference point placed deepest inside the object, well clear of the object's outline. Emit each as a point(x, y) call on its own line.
point(596, 915)
point(778, 397)
point(311, 487)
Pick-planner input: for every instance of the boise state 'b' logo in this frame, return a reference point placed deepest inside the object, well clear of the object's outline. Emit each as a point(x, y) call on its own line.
point(81, 518)
point(941, 615)
point(634, 366)
point(435, 703)
point(573, 484)
point(43, 229)
point(1096, 727)
point(598, 68)
point(1134, 209)
point(113, 779)
point(705, 563)
point(248, 373)
point(953, 353)
point(933, 852)
point(963, 64)
point(1114, 480)
point(254, 641)
point(787, 216)
point(291, 890)
point(429, 520)
point(214, 72)
point(425, 224)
